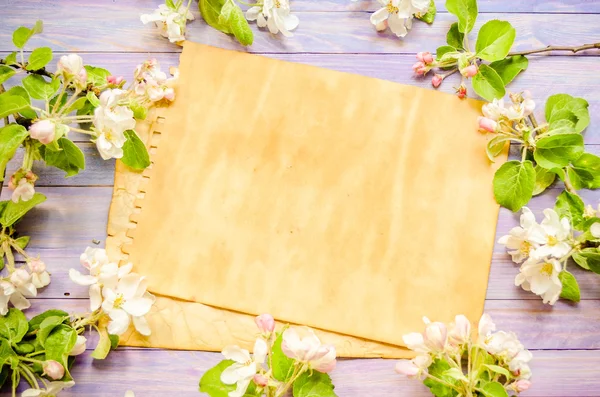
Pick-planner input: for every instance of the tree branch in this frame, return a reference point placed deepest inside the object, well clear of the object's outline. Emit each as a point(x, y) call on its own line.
point(557, 48)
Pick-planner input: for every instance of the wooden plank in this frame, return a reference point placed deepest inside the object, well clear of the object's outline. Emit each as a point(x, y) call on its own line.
point(155, 373)
point(117, 28)
point(570, 326)
point(546, 75)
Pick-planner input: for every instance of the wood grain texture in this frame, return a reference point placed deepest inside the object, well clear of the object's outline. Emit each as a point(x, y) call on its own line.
point(117, 28)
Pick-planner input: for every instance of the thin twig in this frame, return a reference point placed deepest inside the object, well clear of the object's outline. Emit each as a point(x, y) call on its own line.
point(549, 48)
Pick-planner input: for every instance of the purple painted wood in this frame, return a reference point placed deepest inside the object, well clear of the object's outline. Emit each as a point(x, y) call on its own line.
point(107, 32)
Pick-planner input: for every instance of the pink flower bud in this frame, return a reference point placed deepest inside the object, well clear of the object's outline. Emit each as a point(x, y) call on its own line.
point(469, 71)
point(79, 347)
point(260, 380)
point(420, 68)
point(20, 277)
point(461, 92)
point(53, 369)
point(265, 323)
point(12, 182)
point(407, 367)
point(36, 266)
point(521, 385)
point(435, 336)
point(436, 80)
point(461, 330)
point(43, 131)
point(487, 124)
point(116, 80)
point(425, 57)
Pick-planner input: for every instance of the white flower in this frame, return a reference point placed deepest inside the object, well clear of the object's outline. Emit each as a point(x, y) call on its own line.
point(460, 330)
point(151, 83)
point(494, 110)
point(24, 191)
point(10, 294)
point(39, 276)
point(308, 349)
point(170, 22)
point(71, 66)
point(128, 301)
point(52, 389)
point(111, 120)
point(541, 278)
point(518, 238)
point(435, 335)
point(79, 347)
point(553, 240)
point(244, 367)
point(415, 367)
point(43, 130)
point(399, 14)
point(274, 14)
point(485, 328)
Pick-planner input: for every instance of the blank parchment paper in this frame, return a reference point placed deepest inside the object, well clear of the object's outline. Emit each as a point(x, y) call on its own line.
point(346, 203)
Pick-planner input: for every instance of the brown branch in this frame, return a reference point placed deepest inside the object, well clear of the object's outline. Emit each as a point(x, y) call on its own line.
point(557, 48)
point(41, 72)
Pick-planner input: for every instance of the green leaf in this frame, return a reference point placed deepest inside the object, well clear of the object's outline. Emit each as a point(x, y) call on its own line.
point(281, 365)
point(11, 59)
point(233, 16)
point(39, 88)
point(114, 341)
point(497, 369)
point(488, 84)
point(211, 384)
point(135, 154)
point(11, 137)
point(24, 348)
point(494, 389)
point(69, 158)
point(96, 76)
point(47, 326)
point(15, 211)
point(38, 27)
point(6, 352)
point(39, 58)
point(579, 106)
point(557, 151)
point(104, 344)
point(465, 11)
point(315, 385)
point(77, 104)
point(571, 206)
point(495, 146)
point(443, 50)
point(22, 241)
point(570, 287)
point(93, 99)
point(513, 184)
point(455, 373)
point(11, 104)
point(494, 40)
point(26, 112)
point(35, 322)
point(6, 72)
point(59, 344)
point(20, 36)
point(543, 179)
point(13, 326)
point(454, 37)
point(210, 11)
point(429, 16)
point(510, 67)
point(439, 389)
point(588, 258)
point(584, 172)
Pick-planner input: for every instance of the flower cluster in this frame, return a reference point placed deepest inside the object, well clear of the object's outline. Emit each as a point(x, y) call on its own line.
point(279, 360)
point(449, 358)
point(114, 291)
point(170, 19)
point(498, 117)
point(275, 15)
point(23, 283)
point(398, 15)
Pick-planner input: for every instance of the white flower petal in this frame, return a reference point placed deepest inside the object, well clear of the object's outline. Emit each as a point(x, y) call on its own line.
point(236, 354)
point(81, 279)
point(119, 322)
point(379, 16)
point(141, 325)
point(137, 306)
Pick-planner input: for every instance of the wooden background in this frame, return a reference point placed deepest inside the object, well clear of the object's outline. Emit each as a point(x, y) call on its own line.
point(336, 34)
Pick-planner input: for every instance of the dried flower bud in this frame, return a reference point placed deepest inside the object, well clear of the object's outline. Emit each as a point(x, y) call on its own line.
point(461, 92)
point(265, 323)
point(469, 71)
point(487, 124)
point(53, 369)
point(43, 130)
point(261, 380)
point(436, 80)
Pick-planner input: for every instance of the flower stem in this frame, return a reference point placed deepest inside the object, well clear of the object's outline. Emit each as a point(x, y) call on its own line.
point(299, 370)
point(29, 376)
point(550, 48)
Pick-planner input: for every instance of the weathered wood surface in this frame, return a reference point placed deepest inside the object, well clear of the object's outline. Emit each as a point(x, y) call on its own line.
point(335, 34)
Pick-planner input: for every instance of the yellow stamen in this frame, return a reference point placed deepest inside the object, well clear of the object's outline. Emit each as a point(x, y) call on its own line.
point(546, 269)
point(119, 301)
point(552, 240)
point(525, 247)
point(392, 9)
point(277, 4)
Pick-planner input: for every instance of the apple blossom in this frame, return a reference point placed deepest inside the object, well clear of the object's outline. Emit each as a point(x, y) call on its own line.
point(425, 57)
point(170, 22)
point(415, 367)
point(127, 301)
point(43, 130)
point(420, 68)
point(23, 192)
point(521, 385)
point(51, 390)
point(308, 349)
point(71, 66)
point(460, 330)
point(53, 369)
point(486, 124)
point(399, 14)
point(244, 368)
point(275, 15)
point(114, 80)
point(435, 335)
point(111, 120)
point(541, 278)
point(265, 323)
point(39, 276)
point(469, 71)
point(517, 241)
point(79, 347)
point(494, 110)
point(9, 294)
point(436, 80)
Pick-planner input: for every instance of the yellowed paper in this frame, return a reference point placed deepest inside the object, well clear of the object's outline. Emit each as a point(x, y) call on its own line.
point(342, 202)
